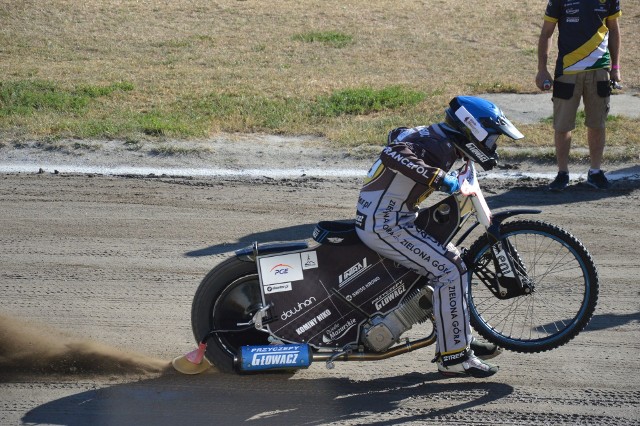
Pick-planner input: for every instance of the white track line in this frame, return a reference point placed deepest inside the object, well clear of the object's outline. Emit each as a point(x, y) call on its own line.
point(633, 174)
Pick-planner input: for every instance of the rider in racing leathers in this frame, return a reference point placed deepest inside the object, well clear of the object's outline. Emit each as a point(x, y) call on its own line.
point(413, 165)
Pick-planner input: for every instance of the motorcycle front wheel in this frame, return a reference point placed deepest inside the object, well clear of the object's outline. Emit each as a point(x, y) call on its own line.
point(227, 298)
point(564, 292)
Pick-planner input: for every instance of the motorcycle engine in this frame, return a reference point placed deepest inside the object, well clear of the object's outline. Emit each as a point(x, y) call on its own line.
point(382, 332)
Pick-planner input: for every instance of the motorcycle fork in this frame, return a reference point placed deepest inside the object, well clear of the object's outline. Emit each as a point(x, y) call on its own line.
point(510, 271)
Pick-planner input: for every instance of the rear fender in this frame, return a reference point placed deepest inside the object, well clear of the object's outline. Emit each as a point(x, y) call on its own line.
point(249, 254)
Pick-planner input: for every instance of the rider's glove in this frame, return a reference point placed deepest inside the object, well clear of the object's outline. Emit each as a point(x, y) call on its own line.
point(450, 183)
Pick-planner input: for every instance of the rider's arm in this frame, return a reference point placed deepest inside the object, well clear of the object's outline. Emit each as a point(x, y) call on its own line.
point(401, 158)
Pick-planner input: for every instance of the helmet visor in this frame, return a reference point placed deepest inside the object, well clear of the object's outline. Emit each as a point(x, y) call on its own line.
point(507, 128)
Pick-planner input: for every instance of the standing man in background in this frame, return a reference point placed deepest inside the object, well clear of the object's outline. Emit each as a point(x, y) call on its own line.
point(588, 59)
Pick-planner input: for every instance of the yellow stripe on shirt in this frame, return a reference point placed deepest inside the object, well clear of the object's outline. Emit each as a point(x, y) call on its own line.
point(588, 53)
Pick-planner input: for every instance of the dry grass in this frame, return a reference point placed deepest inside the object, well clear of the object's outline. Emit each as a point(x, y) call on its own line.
point(261, 58)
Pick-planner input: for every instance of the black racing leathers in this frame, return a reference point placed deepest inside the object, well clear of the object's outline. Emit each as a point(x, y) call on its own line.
point(408, 170)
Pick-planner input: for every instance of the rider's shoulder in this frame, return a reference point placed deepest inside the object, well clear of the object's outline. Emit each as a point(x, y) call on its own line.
point(410, 134)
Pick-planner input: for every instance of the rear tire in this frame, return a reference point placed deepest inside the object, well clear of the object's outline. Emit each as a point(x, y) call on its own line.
point(228, 295)
point(565, 290)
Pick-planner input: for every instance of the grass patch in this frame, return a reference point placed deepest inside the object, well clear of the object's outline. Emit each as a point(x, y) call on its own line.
point(160, 123)
point(362, 101)
point(280, 115)
point(331, 38)
point(252, 111)
point(495, 87)
point(28, 97)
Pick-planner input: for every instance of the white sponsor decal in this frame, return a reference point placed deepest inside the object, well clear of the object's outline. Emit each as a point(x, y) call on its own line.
point(275, 348)
point(388, 296)
point(309, 260)
point(352, 272)
point(338, 330)
point(465, 116)
point(501, 256)
point(446, 358)
point(363, 288)
point(481, 156)
point(275, 359)
point(277, 288)
point(421, 170)
point(312, 323)
point(297, 309)
point(281, 269)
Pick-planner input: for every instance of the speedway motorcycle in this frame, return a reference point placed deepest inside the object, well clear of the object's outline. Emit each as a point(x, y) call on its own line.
point(283, 305)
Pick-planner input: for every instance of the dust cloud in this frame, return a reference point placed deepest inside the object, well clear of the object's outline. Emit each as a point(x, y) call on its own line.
point(32, 349)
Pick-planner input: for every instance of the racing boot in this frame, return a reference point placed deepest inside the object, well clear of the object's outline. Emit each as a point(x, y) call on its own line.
point(465, 364)
point(484, 350)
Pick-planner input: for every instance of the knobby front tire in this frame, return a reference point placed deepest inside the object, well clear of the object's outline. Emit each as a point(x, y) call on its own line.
point(562, 302)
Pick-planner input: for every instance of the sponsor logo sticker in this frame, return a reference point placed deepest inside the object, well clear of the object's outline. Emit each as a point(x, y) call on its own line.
point(277, 288)
point(351, 273)
point(313, 322)
point(274, 356)
point(309, 260)
point(388, 296)
point(281, 269)
point(503, 262)
point(337, 331)
point(476, 151)
point(301, 306)
point(472, 124)
point(281, 358)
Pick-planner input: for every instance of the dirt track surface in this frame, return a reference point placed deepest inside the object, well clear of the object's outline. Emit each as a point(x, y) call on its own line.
point(97, 278)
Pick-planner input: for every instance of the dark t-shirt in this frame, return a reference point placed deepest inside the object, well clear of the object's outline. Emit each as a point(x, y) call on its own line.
point(583, 41)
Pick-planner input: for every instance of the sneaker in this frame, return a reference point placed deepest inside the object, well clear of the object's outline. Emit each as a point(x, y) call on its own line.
point(598, 180)
point(484, 350)
point(560, 182)
point(472, 366)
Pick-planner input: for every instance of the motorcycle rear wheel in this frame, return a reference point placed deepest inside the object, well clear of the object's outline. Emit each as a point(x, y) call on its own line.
point(564, 296)
point(228, 295)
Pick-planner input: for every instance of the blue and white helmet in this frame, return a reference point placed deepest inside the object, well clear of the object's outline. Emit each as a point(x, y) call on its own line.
point(480, 123)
